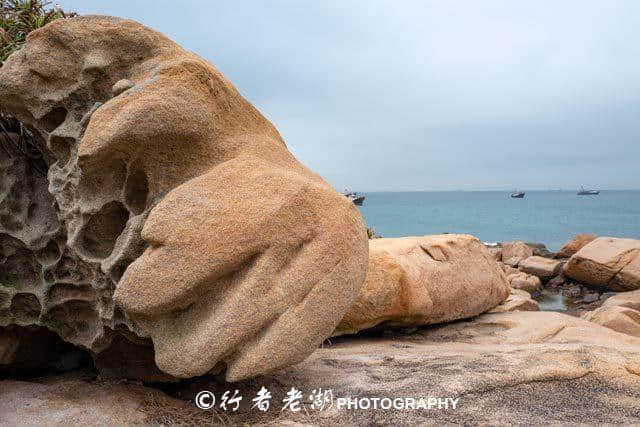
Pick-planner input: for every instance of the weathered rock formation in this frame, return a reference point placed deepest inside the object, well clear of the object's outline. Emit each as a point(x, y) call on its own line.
point(171, 213)
point(576, 243)
point(607, 262)
point(414, 281)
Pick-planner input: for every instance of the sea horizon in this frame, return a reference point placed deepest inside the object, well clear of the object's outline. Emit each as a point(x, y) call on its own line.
point(550, 217)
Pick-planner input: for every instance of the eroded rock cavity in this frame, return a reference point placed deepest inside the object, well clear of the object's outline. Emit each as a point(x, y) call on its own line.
point(249, 260)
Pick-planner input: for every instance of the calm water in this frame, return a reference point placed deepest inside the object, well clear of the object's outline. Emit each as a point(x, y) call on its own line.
point(549, 217)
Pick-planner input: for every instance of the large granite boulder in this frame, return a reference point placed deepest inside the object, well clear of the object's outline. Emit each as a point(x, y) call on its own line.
point(576, 243)
point(170, 211)
point(415, 281)
point(624, 299)
point(607, 262)
point(620, 313)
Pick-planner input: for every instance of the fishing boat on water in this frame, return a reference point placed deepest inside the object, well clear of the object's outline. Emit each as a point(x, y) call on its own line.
point(517, 194)
point(354, 197)
point(584, 192)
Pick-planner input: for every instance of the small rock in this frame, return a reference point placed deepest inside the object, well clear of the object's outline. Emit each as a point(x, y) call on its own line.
point(556, 282)
point(525, 282)
point(544, 268)
point(592, 297)
point(573, 291)
point(122, 86)
point(514, 252)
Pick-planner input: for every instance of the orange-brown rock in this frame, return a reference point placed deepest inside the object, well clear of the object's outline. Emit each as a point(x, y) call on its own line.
point(424, 280)
point(621, 313)
point(171, 208)
point(607, 262)
point(526, 282)
point(621, 319)
point(514, 252)
point(576, 243)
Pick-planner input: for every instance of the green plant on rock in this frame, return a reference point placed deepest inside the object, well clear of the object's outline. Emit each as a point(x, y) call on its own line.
point(372, 234)
point(19, 17)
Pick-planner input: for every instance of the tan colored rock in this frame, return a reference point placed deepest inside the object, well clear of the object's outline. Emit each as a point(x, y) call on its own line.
point(621, 319)
point(629, 299)
point(415, 281)
point(576, 243)
point(167, 186)
point(620, 312)
point(514, 252)
point(518, 300)
point(528, 368)
point(525, 282)
point(508, 270)
point(544, 268)
point(496, 252)
point(72, 400)
point(607, 262)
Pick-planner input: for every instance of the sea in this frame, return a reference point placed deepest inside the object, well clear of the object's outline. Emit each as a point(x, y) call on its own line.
point(549, 217)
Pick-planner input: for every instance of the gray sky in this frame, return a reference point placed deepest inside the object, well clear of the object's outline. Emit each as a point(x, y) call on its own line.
point(429, 95)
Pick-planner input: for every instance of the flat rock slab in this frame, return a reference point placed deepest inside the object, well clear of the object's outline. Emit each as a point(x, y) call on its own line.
point(544, 268)
point(508, 368)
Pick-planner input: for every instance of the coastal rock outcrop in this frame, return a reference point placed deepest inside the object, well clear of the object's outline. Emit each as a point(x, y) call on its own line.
point(543, 268)
point(171, 212)
point(414, 281)
point(607, 262)
point(576, 243)
point(529, 368)
point(514, 252)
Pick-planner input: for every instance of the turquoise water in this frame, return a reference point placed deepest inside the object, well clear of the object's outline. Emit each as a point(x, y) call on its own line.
point(549, 217)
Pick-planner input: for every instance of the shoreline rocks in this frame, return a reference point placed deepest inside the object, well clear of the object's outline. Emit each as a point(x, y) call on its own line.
point(414, 281)
point(607, 263)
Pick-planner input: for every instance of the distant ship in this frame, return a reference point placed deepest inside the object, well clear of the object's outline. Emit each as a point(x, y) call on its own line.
point(354, 197)
point(584, 192)
point(518, 195)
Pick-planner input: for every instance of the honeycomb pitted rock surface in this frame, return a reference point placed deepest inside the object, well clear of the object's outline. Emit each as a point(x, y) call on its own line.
point(171, 212)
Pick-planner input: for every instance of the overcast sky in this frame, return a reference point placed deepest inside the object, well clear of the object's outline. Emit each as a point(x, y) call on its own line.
point(429, 95)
